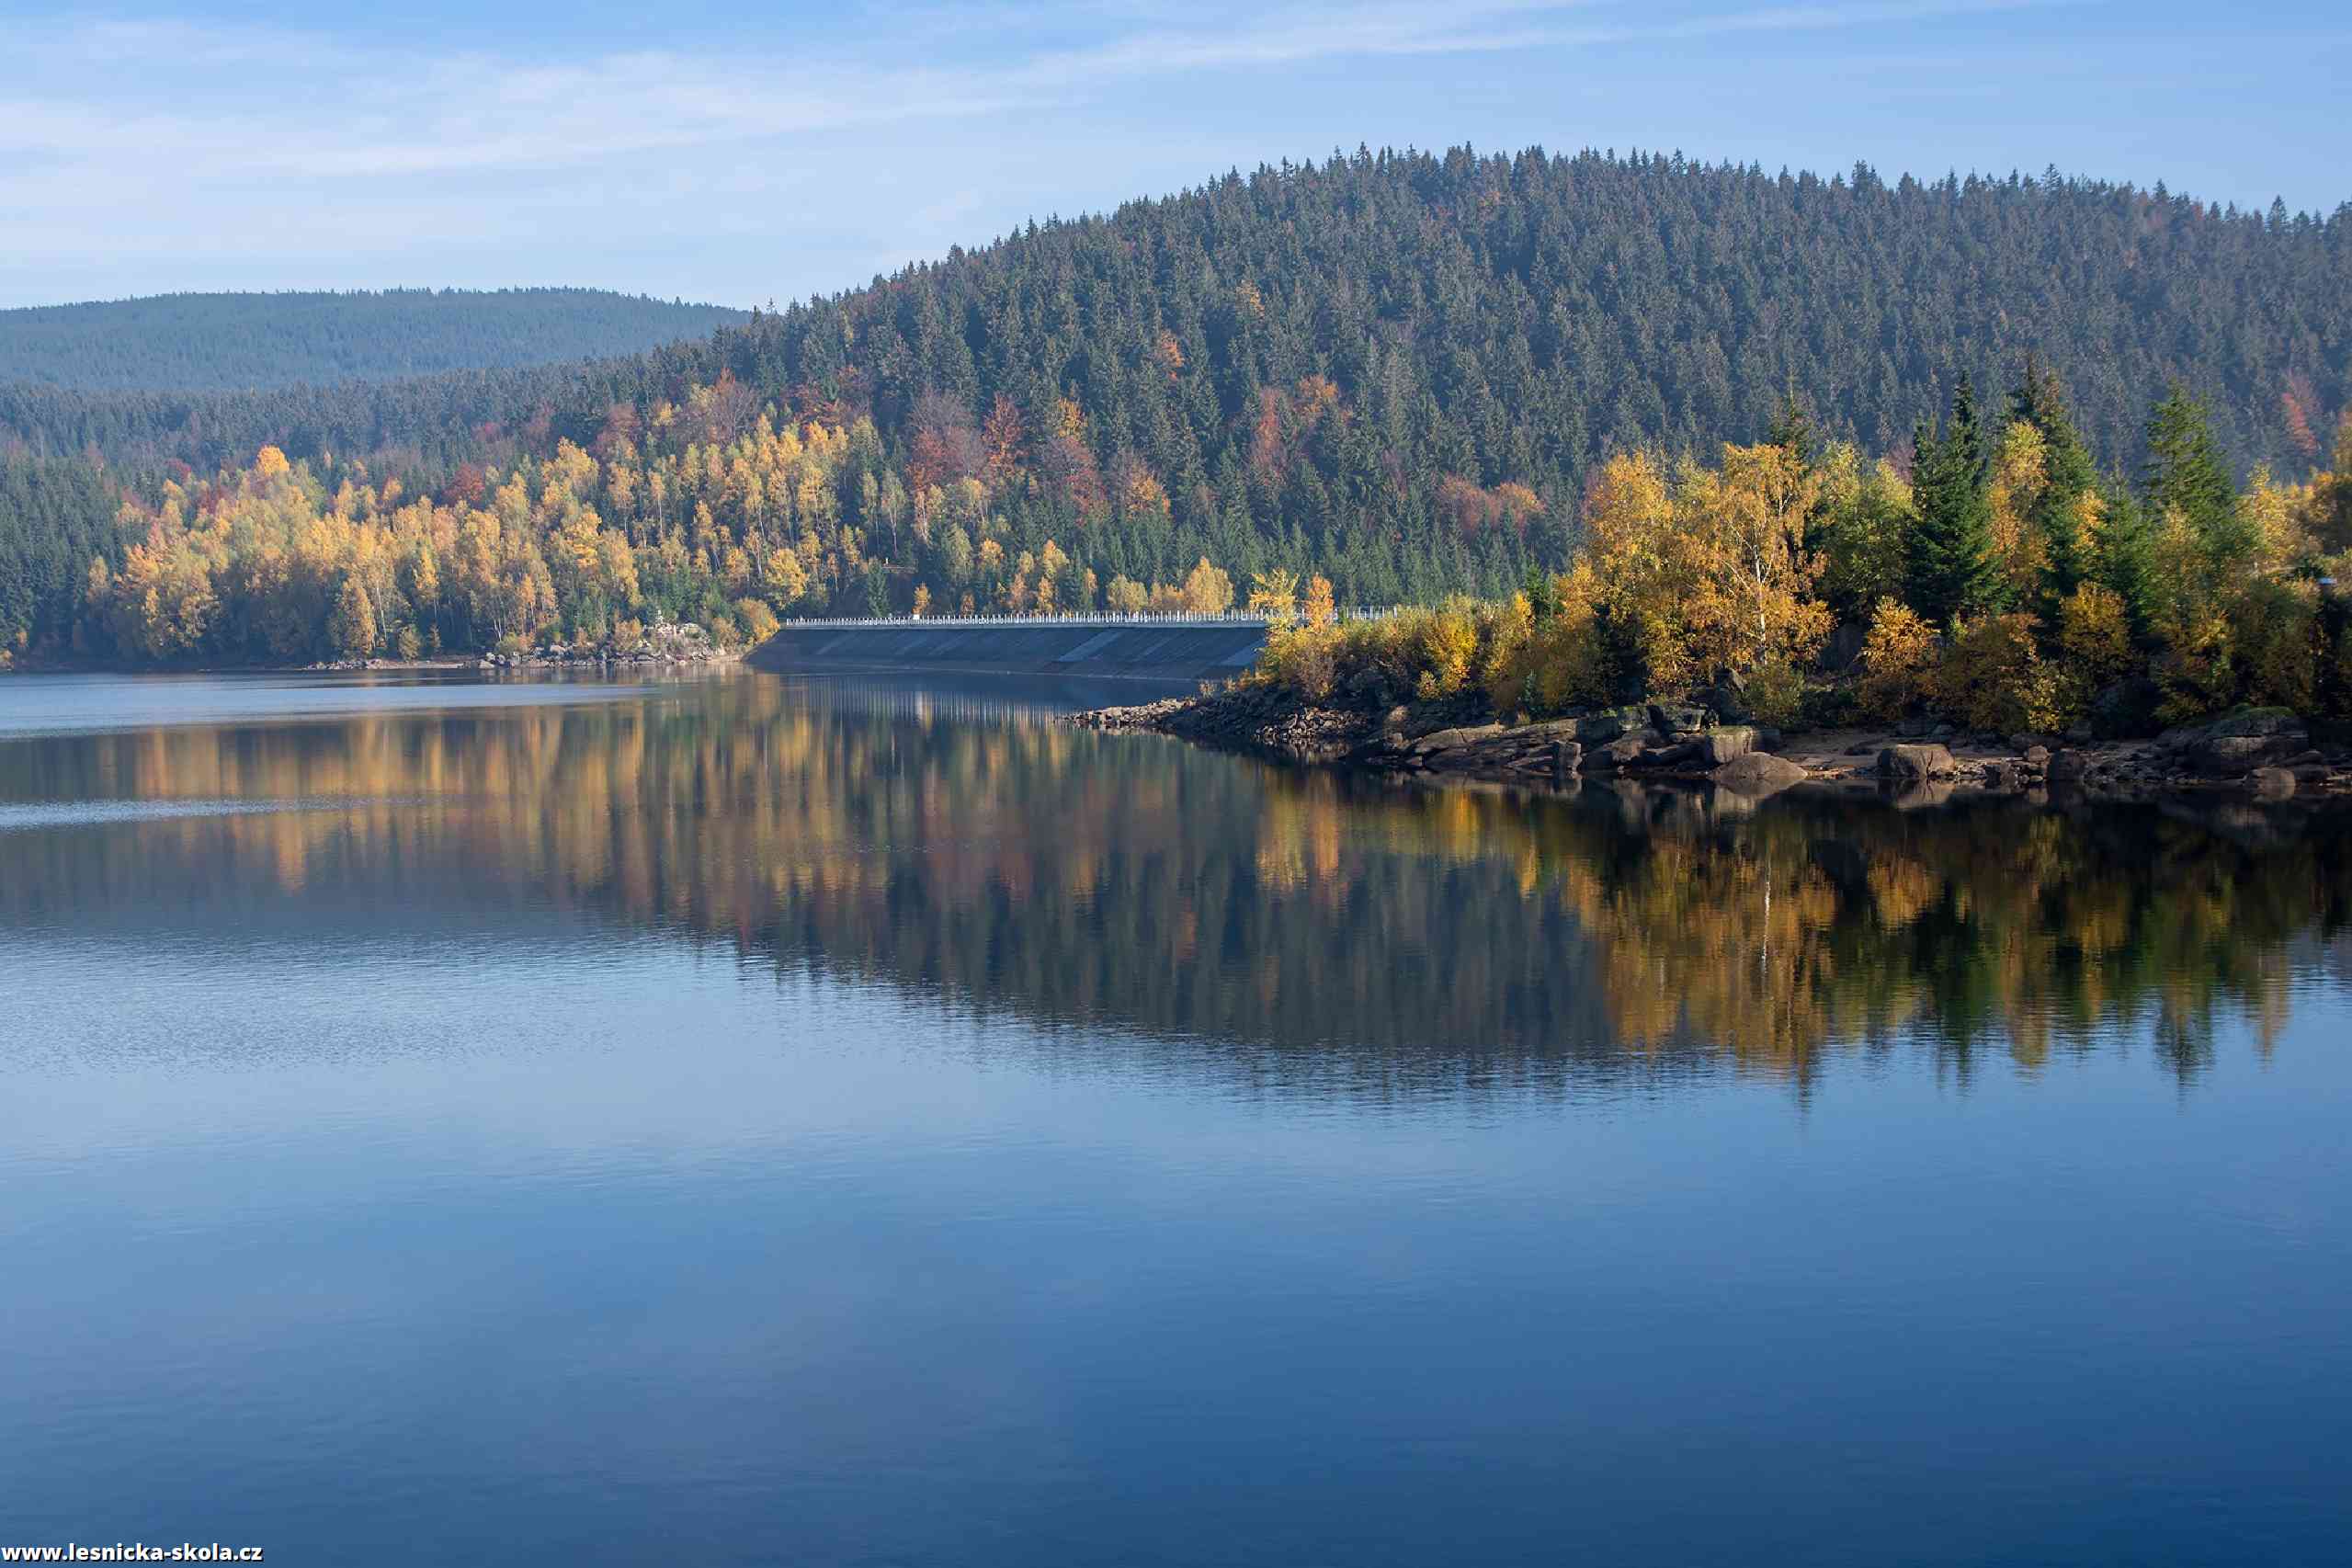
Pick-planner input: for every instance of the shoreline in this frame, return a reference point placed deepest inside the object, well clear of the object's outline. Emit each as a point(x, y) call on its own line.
point(2261, 755)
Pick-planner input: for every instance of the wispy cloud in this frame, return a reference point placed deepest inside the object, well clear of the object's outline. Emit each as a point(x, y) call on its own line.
point(133, 147)
point(333, 111)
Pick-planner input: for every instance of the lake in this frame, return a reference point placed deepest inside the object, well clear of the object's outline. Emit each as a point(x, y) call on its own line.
point(734, 1119)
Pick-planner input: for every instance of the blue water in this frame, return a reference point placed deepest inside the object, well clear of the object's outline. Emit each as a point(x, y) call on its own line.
point(751, 1122)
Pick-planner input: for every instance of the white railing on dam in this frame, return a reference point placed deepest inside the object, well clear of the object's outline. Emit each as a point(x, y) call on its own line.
point(1230, 618)
point(1105, 619)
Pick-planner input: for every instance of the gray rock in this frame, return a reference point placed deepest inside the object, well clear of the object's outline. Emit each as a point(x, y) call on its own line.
point(2229, 755)
point(1916, 762)
point(1600, 729)
point(1672, 718)
point(2037, 755)
point(1453, 740)
point(2069, 768)
point(1718, 746)
point(1758, 773)
point(2258, 721)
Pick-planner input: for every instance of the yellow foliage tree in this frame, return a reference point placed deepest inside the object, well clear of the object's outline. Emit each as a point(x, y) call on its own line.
point(1275, 594)
point(1898, 655)
point(1208, 590)
point(1320, 610)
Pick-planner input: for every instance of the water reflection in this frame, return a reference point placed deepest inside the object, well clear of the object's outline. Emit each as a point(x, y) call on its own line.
point(1293, 927)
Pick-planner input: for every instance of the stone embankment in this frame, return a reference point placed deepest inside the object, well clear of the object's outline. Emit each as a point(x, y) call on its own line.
point(2267, 753)
point(668, 644)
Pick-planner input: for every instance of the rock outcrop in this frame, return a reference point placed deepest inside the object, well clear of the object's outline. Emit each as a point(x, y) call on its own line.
point(1912, 763)
point(2265, 752)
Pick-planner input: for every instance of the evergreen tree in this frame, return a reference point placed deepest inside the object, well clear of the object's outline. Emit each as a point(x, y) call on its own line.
point(2040, 401)
point(2125, 558)
point(2186, 473)
point(1792, 429)
point(1951, 540)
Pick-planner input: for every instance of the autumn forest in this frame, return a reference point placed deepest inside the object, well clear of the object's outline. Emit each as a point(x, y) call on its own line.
point(1410, 375)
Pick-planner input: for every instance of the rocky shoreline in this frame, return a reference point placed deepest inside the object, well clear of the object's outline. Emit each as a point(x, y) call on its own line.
point(2266, 753)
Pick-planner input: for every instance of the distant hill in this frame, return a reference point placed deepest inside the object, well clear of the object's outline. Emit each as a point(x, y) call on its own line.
point(233, 342)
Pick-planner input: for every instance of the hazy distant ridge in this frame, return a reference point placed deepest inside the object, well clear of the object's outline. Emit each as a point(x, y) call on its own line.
point(225, 342)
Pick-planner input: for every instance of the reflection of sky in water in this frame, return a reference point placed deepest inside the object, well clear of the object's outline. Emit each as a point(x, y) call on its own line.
point(85, 814)
point(435, 1170)
point(61, 705)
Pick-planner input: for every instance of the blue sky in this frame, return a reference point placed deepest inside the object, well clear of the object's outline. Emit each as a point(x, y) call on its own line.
point(744, 155)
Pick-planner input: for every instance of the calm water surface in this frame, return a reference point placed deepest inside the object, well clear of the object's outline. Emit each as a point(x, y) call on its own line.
point(739, 1121)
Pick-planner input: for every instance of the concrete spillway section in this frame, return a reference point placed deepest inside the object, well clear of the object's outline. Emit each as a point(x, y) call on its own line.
point(1169, 651)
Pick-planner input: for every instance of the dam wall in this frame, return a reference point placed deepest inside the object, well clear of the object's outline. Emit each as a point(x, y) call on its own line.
point(1170, 650)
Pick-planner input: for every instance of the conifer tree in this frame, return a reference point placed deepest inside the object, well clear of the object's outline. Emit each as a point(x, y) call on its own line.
point(2040, 401)
point(2185, 471)
point(1792, 428)
point(1951, 543)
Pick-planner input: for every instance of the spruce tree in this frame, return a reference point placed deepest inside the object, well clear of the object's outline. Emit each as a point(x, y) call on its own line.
point(2039, 400)
point(1950, 542)
point(1792, 428)
point(2186, 473)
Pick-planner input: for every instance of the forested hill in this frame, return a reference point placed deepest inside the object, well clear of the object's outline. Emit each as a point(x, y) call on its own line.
point(210, 342)
point(1400, 370)
point(1495, 319)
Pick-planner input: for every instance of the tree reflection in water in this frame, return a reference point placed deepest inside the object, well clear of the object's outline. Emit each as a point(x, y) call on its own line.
point(1292, 927)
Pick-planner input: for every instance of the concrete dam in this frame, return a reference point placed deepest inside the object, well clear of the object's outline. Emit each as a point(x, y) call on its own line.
point(1170, 650)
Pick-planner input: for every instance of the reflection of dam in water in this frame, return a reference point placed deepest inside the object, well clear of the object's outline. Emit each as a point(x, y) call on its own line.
point(1173, 649)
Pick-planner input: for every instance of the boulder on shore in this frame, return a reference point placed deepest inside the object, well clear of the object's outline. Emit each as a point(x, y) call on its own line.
point(1908, 764)
point(1675, 720)
point(1719, 745)
point(1449, 740)
point(1758, 773)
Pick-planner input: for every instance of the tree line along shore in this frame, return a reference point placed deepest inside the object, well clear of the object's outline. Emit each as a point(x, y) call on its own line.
point(1984, 606)
point(1985, 574)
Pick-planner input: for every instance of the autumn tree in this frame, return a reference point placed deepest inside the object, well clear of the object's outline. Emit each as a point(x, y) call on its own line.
point(1320, 610)
point(1208, 590)
point(351, 628)
point(1274, 593)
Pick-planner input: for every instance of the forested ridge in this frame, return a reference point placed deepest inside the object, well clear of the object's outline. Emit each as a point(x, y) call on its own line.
point(1403, 371)
point(213, 342)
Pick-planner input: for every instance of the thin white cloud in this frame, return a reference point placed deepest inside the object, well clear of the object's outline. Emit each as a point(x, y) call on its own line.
point(143, 148)
point(333, 113)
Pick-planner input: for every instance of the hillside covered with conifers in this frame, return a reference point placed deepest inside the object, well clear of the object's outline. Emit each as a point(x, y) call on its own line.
point(215, 342)
point(1401, 372)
